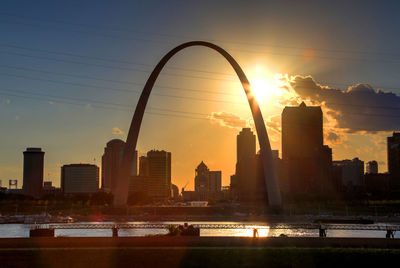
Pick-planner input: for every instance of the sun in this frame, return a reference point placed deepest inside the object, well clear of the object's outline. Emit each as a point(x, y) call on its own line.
point(261, 89)
point(263, 84)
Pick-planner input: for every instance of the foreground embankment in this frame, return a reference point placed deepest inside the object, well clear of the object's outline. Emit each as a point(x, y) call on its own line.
point(197, 252)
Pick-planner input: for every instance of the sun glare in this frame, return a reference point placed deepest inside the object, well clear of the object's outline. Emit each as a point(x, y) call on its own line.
point(261, 89)
point(265, 85)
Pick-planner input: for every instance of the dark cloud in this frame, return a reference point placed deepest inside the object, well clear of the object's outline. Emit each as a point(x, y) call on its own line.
point(359, 108)
point(332, 138)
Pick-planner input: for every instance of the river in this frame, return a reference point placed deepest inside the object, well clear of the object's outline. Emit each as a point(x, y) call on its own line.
point(22, 230)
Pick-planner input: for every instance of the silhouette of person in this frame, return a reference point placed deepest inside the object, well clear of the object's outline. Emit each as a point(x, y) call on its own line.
point(255, 232)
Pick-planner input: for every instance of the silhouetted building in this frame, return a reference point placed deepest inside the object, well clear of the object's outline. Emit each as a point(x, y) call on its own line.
point(248, 184)
point(174, 191)
point(79, 178)
point(245, 145)
point(207, 183)
point(191, 195)
point(377, 184)
point(111, 162)
point(48, 186)
point(201, 180)
point(49, 189)
point(352, 172)
point(393, 155)
point(307, 160)
point(33, 172)
point(13, 184)
point(215, 181)
point(372, 167)
point(154, 180)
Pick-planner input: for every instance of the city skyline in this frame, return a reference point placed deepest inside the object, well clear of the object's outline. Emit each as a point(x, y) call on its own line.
point(72, 131)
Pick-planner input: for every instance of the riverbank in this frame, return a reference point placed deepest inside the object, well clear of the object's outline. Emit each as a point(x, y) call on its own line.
point(180, 241)
point(198, 252)
point(223, 218)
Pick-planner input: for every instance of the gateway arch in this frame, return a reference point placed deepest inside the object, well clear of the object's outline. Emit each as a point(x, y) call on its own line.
point(122, 184)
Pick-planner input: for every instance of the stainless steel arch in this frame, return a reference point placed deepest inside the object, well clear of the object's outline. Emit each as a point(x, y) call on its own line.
point(122, 185)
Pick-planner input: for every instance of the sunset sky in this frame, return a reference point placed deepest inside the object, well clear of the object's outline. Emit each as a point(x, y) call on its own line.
point(71, 74)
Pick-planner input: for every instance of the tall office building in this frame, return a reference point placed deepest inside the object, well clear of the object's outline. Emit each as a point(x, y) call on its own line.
point(302, 134)
point(352, 172)
point(207, 183)
point(393, 155)
point(307, 159)
point(79, 179)
point(111, 162)
point(248, 184)
point(372, 167)
point(215, 184)
point(154, 175)
point(33, 172)
point(202, 178)
point(245, 145)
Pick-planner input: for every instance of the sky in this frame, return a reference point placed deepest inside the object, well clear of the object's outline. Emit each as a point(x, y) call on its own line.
point(71, 73)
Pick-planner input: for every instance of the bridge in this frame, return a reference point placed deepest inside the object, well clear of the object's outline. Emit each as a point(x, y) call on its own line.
point(390, 229)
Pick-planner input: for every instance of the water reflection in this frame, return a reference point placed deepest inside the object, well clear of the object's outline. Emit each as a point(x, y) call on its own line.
point(22, 230)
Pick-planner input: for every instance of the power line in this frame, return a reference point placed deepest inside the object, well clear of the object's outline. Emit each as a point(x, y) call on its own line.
point(108, 59)
point(118, 28)
point(118, 89)
point(112, 67)
point(95, 101)
point(235, 49)
point(173, 96)
point(113, 81)
point(125, 107)
point(60, 100)
point(128, 62)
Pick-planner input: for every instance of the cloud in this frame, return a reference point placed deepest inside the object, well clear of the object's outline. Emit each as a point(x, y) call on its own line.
point(117, 131)
point(273, 123)
point(6, 101)
point(230, 120)
point(333, 138)
point(17, 117)
point(360, 108)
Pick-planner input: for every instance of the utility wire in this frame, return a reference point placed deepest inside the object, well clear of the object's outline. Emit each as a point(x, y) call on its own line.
point(69, 54)
point(126, 106)
point(174, 96)
point(112, 60)
point(118, 89)
point(112, 67)
point(235, 49)
point(128, 30)
point(111, 80)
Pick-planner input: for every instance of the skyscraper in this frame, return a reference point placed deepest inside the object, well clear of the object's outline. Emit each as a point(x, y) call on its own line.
point(245, 145)
point(202, 178)
point(33, 172)
point(302, 134)
point(352, 172)
point(155, 172)
point(307, 159)
point(248, 184)
point(207, 184)
point(79, 178)
point(372, 167)
point(110, 164)
point(393, 155)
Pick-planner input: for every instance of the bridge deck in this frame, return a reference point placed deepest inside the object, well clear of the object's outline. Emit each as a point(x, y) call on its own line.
point(375, 227)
